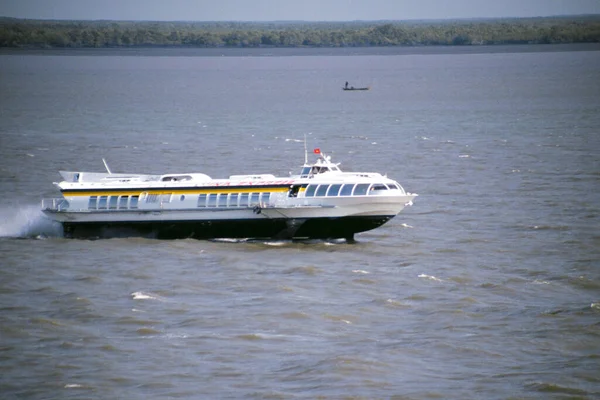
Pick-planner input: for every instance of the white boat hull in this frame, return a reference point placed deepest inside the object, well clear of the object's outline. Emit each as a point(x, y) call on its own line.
point(340, 219)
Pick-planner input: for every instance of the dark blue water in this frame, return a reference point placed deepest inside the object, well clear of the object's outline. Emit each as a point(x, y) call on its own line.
point(488, 287)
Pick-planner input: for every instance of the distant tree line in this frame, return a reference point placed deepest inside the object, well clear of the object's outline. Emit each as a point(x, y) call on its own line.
point(86, 34)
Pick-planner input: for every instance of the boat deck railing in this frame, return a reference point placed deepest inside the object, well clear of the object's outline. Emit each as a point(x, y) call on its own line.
point(55, 204)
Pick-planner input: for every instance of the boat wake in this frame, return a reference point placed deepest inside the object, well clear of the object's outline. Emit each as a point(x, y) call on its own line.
point(27, 222)
point(146, 296)
point(282, 242)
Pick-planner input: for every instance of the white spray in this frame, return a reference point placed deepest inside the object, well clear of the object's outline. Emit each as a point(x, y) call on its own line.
point(26, 221)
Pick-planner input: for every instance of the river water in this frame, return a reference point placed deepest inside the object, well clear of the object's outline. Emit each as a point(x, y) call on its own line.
point(487, 287)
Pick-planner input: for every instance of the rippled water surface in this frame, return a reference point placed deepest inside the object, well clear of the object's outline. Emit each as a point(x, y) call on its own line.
point(488, 287)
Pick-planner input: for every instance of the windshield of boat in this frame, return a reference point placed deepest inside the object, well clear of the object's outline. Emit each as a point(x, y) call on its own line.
point(305, 172)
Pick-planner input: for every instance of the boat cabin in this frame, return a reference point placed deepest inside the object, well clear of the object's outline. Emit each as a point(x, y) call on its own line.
point(322, 166)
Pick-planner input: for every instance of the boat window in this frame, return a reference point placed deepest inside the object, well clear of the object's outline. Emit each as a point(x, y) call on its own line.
point(202, 200)
point(133, 203)
point(310, 191)
point(334, 190)
point(182, 197)
point(347, 189)
point(254, 199)
point(376, 188)
point(244, 197)
point(305, 172)
point(233, 200)
point(222, 202)
point(393, 186)
point(165, 198)
point(360, 189)
point(265, 197)
point(322, 190)
point(176, 178)
point(123, 201)
point(102, 202)
point(212, 200)
point(319, 170)
point(93, 202)
point(152, 198)
point(112, 202)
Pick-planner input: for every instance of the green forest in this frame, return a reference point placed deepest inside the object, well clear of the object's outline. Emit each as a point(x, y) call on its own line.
point(26, 33)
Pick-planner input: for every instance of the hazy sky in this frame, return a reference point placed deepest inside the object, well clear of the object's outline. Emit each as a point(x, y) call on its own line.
point(277, 10)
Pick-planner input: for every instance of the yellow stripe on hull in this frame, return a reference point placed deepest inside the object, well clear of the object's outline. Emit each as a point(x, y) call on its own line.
point(279, 189)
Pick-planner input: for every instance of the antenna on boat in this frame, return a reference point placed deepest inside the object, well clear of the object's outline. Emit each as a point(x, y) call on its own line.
point(106, 166)
point(305, 151)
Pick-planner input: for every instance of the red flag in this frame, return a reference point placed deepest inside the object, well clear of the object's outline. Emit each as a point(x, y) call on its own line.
point(317, 151)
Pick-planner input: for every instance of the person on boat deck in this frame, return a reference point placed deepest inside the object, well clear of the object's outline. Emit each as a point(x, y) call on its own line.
point(346, 85)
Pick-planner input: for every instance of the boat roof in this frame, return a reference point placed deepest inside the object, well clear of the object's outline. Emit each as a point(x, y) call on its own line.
point(321, 169)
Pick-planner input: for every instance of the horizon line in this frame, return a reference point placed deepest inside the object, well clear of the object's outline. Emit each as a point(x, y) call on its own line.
point(305, 21)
